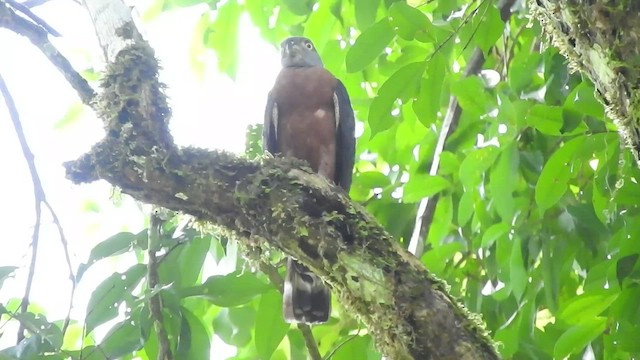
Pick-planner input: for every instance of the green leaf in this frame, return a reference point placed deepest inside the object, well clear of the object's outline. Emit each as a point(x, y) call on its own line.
point(586, 306)
point(523, 71)
point(494, 233)
point(503, 180)
point(253, 141)
point(105, 299)
point(233, 325)
point(476, 163)
point(73, 114)
point(185, 3)
point(222, 36)
point(625, 266)
point(518, 276)
point(582, 100)
point(472, 96)
point(6, 272)
point(554, 178)
point(123, 338)
point(427, 104)
point(365, 12)
point(200, 345)
point(48, 333)
point(485, 28)
point(372, 179)
point(407, 20)
point(270, 327)
point(299, 7)
point(369, 45)
point(228, 290)
point(30, 348)
point(546, 119)
point(320, 25)
point(354, 348)
point(422, 186)
point(117, 244)
point(189, 258)
point(437, 258)
point(577, 337)
point(466, 206)
point(403, 85)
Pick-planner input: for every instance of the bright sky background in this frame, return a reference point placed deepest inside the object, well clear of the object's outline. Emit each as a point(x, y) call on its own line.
point(209, 111)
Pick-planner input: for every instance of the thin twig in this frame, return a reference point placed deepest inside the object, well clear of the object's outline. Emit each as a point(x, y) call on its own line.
point(341, 344)
point(428, 205)
point(33, 3)
point(38, 36)
point(67, 257)
point(37, 192)
point(153, 280)
point(309, 340)
point(40, 199)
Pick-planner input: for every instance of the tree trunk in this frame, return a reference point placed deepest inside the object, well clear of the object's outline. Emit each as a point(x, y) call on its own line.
point(601, 39)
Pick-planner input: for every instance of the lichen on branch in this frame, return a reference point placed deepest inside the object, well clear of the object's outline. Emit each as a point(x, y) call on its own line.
point(282, 204)
point(602, 40)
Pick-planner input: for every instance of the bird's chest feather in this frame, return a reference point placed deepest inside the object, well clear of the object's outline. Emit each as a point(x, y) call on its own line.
point(306, 117)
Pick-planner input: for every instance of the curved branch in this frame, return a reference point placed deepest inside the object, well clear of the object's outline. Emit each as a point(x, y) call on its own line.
point(408, 312)
point(277, 203)
point(39, 37)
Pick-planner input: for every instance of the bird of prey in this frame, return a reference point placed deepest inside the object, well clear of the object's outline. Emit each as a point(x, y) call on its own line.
point(309, 117)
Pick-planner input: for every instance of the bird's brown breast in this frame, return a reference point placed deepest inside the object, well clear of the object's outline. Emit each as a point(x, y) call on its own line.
point(306, 117)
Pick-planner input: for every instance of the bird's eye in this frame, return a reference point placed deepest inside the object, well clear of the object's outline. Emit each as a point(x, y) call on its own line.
point(308, 45)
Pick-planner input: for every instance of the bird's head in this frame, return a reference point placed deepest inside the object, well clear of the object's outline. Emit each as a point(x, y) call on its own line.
point(298, 51)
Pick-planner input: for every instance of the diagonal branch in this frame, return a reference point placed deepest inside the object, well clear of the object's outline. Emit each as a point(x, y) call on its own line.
point(427, 207)
point(407, 311)
point(403, 306)
point(39, 37)
point(40, 199)
point(153, 280)
point(35, 18)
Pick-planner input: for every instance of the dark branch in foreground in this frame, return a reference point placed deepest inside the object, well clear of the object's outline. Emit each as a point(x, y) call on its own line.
point(39, 37)
point(408, 312)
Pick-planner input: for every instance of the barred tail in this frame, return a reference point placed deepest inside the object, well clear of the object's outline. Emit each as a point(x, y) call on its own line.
point(306, 298)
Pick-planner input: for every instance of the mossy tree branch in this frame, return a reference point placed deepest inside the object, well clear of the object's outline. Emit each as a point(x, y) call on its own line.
point(601, 39)
point(274, 203)
point(278, 203)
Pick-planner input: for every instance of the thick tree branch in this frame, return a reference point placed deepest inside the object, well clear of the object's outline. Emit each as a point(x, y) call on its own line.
point(277, 203)
point(600, 39)
point(406, 310)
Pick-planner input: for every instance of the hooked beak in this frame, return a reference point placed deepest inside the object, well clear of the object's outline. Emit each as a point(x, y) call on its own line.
point(290, 49)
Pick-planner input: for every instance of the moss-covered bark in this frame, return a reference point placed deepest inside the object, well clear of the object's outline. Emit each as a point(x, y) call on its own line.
point(601, 38)
point(277, 203)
